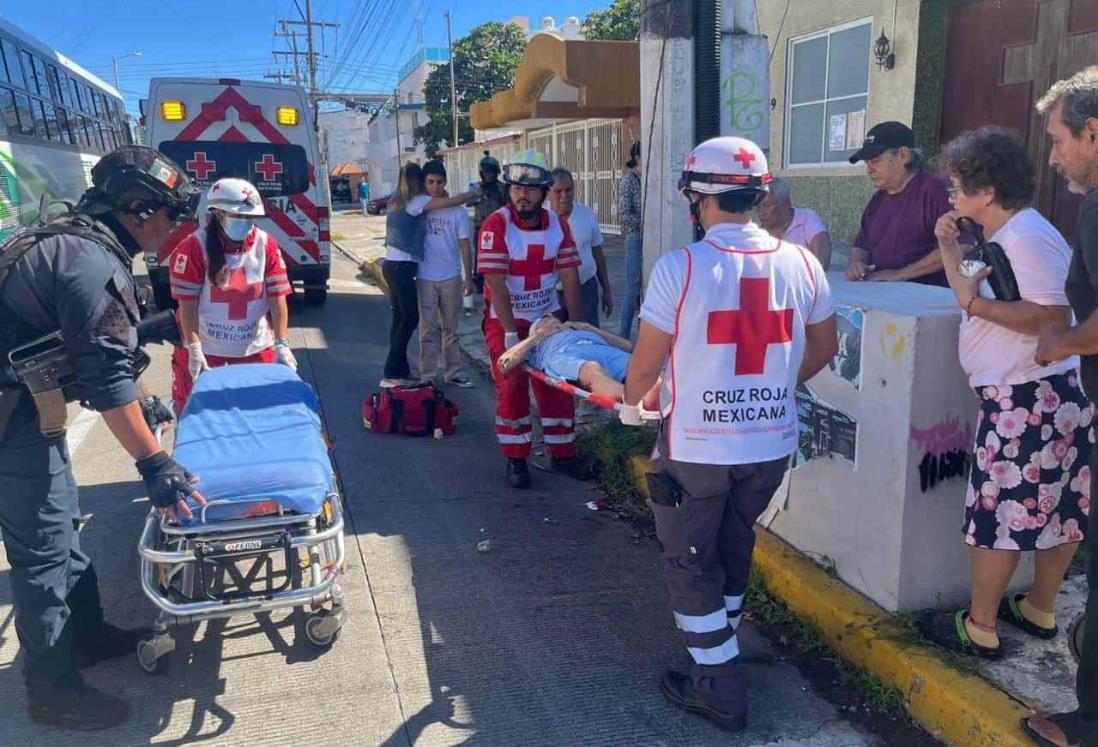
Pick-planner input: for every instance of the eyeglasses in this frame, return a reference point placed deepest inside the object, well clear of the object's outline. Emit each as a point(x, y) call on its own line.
point(952, 191)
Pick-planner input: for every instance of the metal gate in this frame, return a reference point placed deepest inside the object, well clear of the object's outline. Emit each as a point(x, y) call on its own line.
point(591, 150)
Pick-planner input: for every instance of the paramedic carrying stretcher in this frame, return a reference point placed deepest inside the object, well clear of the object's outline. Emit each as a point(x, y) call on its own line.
point(734, 322)
point(524, 250)
point(68, 313)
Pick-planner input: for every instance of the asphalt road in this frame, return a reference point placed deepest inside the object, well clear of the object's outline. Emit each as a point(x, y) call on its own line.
point(556, 636)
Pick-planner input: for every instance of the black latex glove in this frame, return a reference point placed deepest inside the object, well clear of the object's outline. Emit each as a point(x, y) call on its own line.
point(166, 481)
point(155, 412)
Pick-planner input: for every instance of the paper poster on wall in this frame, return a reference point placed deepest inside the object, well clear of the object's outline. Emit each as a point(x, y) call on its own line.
point(855, 129)
point(823, 431)
point(836, 140)
point(848, 362)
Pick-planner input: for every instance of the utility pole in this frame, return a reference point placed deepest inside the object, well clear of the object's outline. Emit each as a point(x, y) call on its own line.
point(396, 113)
point(311, 53)
point(280, 76)
point(292, 36)
point(453, 84)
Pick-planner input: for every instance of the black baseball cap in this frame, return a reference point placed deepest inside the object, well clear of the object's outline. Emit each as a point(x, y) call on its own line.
point(882, 137)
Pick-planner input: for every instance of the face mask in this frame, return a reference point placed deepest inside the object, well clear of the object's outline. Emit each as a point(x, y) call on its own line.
point(236, 228)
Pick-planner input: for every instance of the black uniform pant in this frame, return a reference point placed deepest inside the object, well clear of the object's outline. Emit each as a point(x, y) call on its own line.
point(707, 543)
point(54, 588)
point(401, 278)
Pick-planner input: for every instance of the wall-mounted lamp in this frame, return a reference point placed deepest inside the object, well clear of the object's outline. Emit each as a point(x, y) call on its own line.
point(886, 58)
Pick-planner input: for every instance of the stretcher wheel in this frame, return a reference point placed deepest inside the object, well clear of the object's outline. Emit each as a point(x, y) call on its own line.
point(152, 657)
point(1075, 637)
point(322, 628)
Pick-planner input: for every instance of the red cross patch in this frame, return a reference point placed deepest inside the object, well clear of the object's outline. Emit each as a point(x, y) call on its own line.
point(180, 263)
point(487, 240)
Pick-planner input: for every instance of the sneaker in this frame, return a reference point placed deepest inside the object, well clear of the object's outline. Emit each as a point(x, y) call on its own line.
point(388, 383)
point(460, 381)
point(109, 642)
point(571, 467)
point(518, 474)
point(76, 705)
point(679, 689)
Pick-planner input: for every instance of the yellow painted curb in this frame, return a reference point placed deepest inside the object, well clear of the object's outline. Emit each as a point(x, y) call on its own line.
point(958, 708)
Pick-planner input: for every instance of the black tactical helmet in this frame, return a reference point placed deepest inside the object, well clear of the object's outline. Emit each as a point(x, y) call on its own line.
point(135, 172)
point(488, 163)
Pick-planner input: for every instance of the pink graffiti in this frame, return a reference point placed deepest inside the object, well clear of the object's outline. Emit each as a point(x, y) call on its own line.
point(947, 436)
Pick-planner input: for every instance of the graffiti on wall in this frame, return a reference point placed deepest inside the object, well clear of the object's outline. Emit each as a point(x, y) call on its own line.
point(945, 448)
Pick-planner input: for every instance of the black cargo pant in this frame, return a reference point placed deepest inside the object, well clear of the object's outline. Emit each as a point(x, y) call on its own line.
point(54, 588)
point(707, 542)
point(401, 277)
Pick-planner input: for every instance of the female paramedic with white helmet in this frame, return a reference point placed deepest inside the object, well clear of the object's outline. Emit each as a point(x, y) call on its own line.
point(734, 322)
point(228, 277)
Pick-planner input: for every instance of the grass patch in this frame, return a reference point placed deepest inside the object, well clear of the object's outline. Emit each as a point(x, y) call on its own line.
point(337, 237)
point(609, 445)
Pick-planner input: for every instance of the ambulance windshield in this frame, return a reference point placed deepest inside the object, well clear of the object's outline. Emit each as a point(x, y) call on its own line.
point(276, 170)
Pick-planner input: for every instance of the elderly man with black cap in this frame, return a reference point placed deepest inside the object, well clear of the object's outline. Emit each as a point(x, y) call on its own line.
point(896, 240)
point(68, 317)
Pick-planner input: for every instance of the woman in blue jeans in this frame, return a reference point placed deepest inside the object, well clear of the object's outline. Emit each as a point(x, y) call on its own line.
point(632, 221)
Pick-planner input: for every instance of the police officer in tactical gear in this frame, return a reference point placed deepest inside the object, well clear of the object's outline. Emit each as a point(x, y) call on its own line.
point(495, 197)
point(68, 314)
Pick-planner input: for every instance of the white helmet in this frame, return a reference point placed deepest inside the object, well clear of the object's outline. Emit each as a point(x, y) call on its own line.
point(724, 164)
point(234, 196)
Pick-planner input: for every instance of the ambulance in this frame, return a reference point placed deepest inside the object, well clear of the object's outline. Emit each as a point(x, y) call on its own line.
point(262, 132)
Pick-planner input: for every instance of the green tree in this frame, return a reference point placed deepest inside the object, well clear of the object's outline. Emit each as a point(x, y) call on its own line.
point(484, 64)
point(619, 22)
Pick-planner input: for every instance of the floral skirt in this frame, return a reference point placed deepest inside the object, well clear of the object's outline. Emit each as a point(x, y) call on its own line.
point(1030, 482)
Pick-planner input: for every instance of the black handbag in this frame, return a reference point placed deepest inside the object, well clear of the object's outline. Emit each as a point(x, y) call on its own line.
point(1002, 280)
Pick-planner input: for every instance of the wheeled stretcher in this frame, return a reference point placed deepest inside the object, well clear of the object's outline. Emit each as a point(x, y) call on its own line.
point(595, 399)
point(271, 534)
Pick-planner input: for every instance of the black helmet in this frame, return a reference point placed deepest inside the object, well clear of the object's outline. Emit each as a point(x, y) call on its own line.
point(135, 172)
point(488, 163)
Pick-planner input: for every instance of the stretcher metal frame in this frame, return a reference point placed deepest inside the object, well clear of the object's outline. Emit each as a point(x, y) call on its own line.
point(175, 559)
point(598, 400)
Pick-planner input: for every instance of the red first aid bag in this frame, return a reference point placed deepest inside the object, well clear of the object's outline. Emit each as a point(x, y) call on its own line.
point(415, 411)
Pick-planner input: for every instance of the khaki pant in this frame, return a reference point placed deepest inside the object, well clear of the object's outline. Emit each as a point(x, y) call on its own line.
point(439, 301)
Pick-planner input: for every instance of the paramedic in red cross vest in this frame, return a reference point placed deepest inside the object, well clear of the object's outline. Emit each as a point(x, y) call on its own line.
point(524, 250)
point(734, 322)
point(227, 277)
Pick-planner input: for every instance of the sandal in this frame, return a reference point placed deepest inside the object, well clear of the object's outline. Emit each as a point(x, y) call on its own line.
point(1010, 612)
point(1068, 723)
point(947, 629)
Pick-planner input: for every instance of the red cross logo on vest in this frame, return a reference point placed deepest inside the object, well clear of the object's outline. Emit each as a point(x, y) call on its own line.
point(237, 294)
point(533, 267)
point(752, 328)
point(269, 168)
point(200, 166)
point(745, 157)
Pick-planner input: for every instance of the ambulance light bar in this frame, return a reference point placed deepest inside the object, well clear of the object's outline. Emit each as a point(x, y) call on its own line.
point(286, 115)
point(173, 111)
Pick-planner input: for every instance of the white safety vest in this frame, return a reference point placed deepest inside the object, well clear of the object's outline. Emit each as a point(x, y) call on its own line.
point(729, 386)
point(232, 318)
point(532, 276)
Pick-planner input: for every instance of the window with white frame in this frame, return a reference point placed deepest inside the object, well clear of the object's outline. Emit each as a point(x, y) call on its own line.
point(827, 89)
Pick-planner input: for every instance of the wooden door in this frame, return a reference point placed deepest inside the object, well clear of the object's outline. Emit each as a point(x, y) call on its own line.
point(1001, 57)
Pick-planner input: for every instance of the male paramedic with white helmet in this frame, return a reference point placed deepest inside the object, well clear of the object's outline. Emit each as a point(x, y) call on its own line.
point(524, 250)
point(227, 276)
point(734, 322)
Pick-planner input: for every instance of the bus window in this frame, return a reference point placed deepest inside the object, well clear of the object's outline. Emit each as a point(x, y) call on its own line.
point(81, 129)
point(50, 118)
point(40, 76)
point(39, 120)
point(276, 170)
point(26, 117)
point(51, 78)
point(14, 69)
point(7, 106)
point(28, 69)
point(63, 126)
point(74, 94)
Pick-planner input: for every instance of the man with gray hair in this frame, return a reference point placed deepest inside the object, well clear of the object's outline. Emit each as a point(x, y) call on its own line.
point(584, 225)
point(1072, 109)
point(800, 226)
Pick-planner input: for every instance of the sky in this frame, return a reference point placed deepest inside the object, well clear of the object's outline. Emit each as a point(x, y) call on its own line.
point(236, 39)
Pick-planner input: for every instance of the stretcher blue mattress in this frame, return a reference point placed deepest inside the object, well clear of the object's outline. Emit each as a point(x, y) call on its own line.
point(252, 434)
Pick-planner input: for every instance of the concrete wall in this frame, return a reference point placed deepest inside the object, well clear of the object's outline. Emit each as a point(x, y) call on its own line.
point(841, 189)
point(886, 532)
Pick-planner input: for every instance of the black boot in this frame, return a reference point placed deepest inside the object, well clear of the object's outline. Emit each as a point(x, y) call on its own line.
point(679, 689)
point(74, 704)
point(571, 467)
point(518, 474)
point(108, 642)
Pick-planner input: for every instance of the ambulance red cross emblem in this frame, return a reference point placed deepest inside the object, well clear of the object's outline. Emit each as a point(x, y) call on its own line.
point(200, 166)
point(269, 168)
point(752, 328)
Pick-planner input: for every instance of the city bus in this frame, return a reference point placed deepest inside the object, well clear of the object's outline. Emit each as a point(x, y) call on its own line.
point(57, 121)
point(264, 133)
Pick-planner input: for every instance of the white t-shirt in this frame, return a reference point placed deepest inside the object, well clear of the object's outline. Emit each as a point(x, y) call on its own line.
point(585, 231)
point(414, 207)
point(992, 354)
point(442, 255)
point(737, 304)
point(804, 227)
